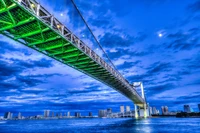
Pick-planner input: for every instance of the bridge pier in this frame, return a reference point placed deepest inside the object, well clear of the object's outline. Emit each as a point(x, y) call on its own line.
point(141, 112)
point(136, 112)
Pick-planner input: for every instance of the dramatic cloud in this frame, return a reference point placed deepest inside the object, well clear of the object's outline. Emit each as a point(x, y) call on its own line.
point(195, 7)
point(116, 39)
point(184, 41)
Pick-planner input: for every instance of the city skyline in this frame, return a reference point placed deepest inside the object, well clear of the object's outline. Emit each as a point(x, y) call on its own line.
point(163, 54)
point(163, 110)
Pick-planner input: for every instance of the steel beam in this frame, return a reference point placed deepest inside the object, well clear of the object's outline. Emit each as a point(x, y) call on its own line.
point(18, 24)
point(45, 41)
point(32, 33)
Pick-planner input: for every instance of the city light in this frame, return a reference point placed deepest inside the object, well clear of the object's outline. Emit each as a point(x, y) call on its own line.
point(33, 5)
point(58, 26)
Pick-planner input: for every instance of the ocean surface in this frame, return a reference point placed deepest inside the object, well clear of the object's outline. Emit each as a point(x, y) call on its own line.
point(96, 125)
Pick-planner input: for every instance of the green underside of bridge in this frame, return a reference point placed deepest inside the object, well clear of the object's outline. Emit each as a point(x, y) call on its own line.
point(20, 25)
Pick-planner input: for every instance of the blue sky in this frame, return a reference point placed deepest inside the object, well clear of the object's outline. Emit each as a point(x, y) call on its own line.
point(168, 65)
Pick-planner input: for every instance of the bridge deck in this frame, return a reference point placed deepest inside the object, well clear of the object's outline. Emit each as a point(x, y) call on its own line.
point(27, 22)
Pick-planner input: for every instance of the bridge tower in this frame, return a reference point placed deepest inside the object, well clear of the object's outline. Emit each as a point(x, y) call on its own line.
point(139, 111)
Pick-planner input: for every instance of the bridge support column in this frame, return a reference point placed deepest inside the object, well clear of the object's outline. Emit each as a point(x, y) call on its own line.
point(136, 112)
point(144, 111)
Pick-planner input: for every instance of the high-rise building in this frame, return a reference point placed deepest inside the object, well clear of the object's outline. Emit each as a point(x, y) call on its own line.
point(77, 114)
point(11, 115)
point(102, 113)
point(199, 107)
point(187, 108)
point(68, 114)
point(150, 111)
point(7, 115)
point(19, 116)
point(46, 113)
point(154, 111)
point(122, 109)
point(52, 114)
point(109, 110)
point(128, 109)
point(90, 114)
point(60, 115)
point(164, 110)
point(157, 112)
point(191, 109)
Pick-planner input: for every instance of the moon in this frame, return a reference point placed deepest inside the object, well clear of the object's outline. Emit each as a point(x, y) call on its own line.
point(160, 34)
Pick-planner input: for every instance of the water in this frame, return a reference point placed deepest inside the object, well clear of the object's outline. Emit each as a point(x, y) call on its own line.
point(153, 125)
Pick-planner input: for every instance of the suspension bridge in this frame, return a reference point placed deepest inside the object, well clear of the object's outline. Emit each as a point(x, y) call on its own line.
point(29, 23)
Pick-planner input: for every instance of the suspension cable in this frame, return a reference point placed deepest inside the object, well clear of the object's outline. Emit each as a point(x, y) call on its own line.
point(94, 35)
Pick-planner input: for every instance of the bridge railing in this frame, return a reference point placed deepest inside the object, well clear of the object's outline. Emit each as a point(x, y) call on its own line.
point(42, 14)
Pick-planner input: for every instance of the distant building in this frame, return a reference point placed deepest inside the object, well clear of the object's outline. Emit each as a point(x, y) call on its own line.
point(187, 108)
point(11, 115)
point(155, 111)
point(150, 111)
point(19, 116)
point(90, 114)
point(102, 113)
point(60, 115)
point(191, 109)
point(109, 110)
point(77, 114)
point(68, 114)
point(65, 114)
point(108, 113)
point(46, 113)
point(38, 116)
point(7, 115)
point(164, 110)
point(199, 107)
point(52, 114)
point(172, 113)
point(179, 111)
point(128, 109)
point(122, 109)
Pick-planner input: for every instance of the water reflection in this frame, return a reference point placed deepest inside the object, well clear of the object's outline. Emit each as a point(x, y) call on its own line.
point(155, 125)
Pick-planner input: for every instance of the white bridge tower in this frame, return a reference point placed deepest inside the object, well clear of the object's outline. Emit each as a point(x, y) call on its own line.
point(141, 112)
